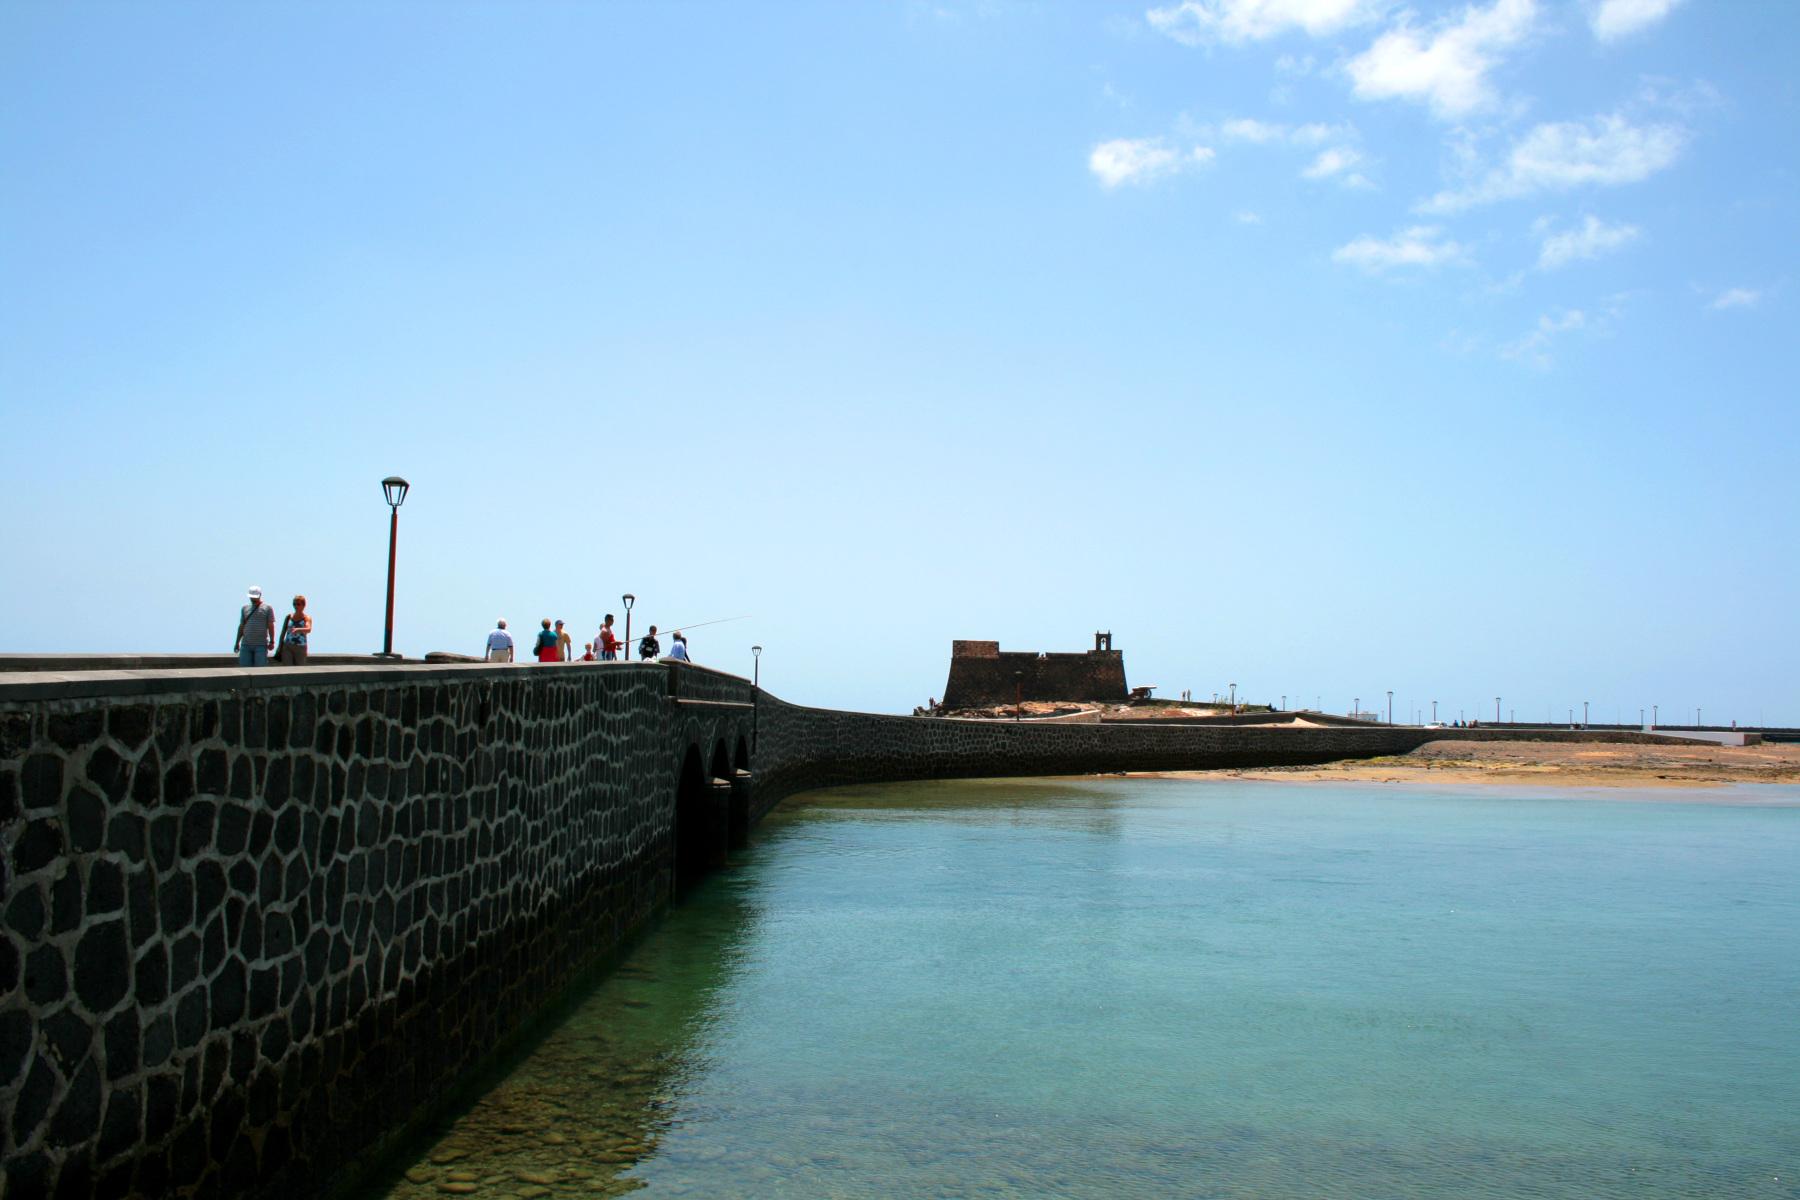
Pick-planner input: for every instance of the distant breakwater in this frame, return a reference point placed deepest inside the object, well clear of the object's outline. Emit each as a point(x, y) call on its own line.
point(255, 921)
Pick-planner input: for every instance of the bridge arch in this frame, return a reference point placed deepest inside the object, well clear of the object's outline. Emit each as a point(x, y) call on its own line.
point(692, 796)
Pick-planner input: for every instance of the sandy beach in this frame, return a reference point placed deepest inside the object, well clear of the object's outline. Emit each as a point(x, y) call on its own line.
point(1557, 764)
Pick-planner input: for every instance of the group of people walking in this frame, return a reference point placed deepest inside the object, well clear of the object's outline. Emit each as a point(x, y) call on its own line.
point(553, 644)
point(262, 638)
point(259, 636)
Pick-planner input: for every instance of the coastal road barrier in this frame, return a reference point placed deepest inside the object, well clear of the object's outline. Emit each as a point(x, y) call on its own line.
point(257, 923)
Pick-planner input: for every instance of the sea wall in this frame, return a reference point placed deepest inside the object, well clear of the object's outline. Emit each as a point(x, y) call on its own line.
point(254, 919)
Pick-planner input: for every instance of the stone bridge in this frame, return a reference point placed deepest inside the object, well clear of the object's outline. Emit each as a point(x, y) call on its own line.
point(256, 922)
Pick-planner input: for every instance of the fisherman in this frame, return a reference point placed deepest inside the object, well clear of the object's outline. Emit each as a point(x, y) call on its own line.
point(648, 647)
point(609, 641)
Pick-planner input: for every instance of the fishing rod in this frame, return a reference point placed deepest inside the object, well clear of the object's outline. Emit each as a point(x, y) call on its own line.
point(674, 629)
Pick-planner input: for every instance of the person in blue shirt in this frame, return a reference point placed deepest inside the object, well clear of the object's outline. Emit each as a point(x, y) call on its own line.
point(678, 650)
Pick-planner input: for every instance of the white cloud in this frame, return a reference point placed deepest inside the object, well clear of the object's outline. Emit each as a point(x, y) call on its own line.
point(1619, 18)
point(1605, 152)
point(1331, 162)
point(1248, 129)
point(1737, 297)
point(1199, 22)
point(1249, 218)
point(1141, 160)
point(1421, 246)
point(1446, 68)
point(1591, 240)
point(1534, 347)
point(1263, 133)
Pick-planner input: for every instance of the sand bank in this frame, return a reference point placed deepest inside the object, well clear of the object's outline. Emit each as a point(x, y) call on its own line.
point(1556, 764)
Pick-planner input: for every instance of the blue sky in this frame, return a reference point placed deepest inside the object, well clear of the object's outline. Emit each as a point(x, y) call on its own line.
point(1317, 346)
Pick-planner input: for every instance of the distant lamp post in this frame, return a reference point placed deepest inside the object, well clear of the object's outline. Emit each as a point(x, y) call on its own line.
point(628, 600)
point(1284, 702)
point(1356, 708)
point(755, 695)
point(1234, 697)
point(1496, 710)
point(1018, 694)
point(1653, 715)
point(1584, 714)
point(394, 489)
point(1434, 712)
point(1390, 706)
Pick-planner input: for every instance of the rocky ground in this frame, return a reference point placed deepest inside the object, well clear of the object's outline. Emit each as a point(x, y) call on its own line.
point(1563, 764)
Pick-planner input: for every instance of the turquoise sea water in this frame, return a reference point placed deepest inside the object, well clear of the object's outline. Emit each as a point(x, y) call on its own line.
point(1166, 987)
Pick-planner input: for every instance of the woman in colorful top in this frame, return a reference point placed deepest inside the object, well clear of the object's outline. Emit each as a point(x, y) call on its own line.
point(546, 647)
point(295, 629)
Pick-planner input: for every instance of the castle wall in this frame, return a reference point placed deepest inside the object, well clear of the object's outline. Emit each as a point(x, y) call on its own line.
point(984, 678)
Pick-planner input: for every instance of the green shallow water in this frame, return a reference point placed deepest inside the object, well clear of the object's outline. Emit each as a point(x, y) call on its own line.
point(1150, 987)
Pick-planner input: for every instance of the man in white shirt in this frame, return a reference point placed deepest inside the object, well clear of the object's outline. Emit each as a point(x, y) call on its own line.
point(500, 644)
point(678, 650)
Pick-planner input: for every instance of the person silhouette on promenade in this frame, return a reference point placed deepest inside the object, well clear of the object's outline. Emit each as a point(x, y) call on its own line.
point(545, 647)
point(587, 652)
point(500, 644)
point(678, 648)
point(609, 641)
point(255, 632)
point(565, 645)
point(296, 627)
point(648, 647)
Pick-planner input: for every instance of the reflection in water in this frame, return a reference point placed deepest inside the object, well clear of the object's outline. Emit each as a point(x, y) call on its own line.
point(1168, 987)
point(596, 1095)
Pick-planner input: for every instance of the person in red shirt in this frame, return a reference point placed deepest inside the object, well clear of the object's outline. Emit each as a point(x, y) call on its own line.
point(609, 641)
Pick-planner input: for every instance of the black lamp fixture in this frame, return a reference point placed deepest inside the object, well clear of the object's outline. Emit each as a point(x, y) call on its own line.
point(628, 600)
point(393, 488)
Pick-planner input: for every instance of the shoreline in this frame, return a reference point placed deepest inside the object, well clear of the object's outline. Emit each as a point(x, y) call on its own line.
point(1522, 763)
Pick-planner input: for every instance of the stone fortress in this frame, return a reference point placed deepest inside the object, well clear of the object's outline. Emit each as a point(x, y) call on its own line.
point(983, 675)
point(255, 924)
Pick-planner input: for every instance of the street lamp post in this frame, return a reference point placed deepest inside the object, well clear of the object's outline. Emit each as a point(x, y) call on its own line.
point(1496, 710)
point(394, 489)
point(1356, 708)
point(1018, 694)
point(1653, 715)
point(628, 600)
point(755, 696)
point(1390, 706)
point(1284, 702)
point(1584, 714)
point(1234, 697)
point(1434, 712)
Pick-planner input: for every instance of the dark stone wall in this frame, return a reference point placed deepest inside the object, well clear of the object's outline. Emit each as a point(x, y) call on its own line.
point(981, 675)
point(253, 921)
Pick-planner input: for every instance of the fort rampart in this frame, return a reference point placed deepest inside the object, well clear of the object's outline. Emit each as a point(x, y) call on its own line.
point(253, 921)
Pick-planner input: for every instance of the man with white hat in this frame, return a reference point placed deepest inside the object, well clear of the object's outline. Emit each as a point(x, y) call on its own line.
point(256, 632)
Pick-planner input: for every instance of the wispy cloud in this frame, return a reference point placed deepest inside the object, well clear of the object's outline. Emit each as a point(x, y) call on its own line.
point(1422, 246)
point(1593, 238)
point(1142, 160)
point(1534, 347)
point(1201, 22)
point(1263, 133)
point(1446, 66)
point(1337, 163)
point(1557, 156)
point(1737, 297)
point(1614, 19)
point(1249, 218)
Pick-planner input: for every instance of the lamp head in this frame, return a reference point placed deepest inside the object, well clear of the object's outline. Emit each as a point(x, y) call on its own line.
point(394, 488)
point(756, 652)
point(629, 600)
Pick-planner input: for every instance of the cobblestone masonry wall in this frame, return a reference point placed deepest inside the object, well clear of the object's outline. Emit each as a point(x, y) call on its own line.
point(253, 920)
